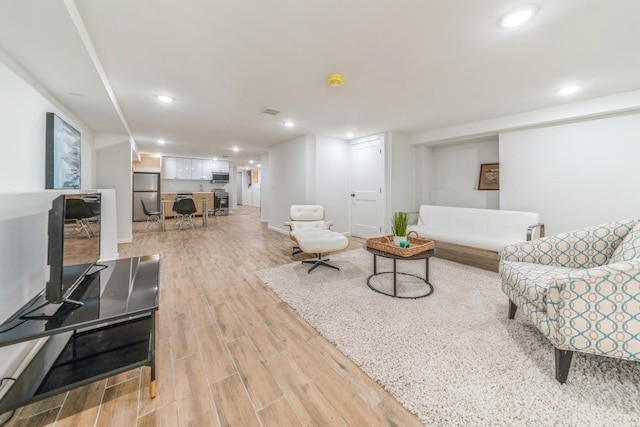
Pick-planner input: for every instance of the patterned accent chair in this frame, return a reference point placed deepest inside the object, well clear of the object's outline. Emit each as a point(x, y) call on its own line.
point(581, 289)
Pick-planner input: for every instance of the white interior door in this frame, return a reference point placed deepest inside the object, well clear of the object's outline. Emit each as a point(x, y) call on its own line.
point(367, 177)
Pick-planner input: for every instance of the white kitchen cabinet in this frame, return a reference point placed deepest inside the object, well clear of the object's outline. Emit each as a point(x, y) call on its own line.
point(169, 168)
point(184, 168)
point(192, 169)
point(220, 166)
point(196, 169)
point(207, 168)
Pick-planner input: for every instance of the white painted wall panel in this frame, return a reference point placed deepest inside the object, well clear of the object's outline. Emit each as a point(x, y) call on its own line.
point(574, 175)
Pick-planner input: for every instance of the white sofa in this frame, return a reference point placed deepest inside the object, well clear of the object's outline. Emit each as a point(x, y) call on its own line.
point(487, 229)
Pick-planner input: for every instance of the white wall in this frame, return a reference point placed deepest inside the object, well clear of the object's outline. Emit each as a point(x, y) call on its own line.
point(449, 174)
point(574, 175)
point(288, 180)
point(332, 181)
point(114, 170)
point(424, 174)
point(23, 111)
point(401, 173)
point(264, 183)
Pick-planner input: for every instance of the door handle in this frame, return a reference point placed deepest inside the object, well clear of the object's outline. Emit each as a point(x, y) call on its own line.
point(353, 194)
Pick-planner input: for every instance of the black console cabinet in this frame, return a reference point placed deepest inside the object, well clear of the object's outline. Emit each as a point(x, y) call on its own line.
point(112, 332)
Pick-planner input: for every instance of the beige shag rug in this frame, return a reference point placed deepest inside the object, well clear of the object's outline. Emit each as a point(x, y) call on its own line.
point(453, 358)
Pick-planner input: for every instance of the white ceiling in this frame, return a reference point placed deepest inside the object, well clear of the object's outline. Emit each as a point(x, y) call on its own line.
point(410, 65)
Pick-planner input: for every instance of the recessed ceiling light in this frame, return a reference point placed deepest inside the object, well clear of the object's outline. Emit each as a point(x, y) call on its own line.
point(569, 90)
point(236, 149)
point(164, 99)
point(215, 158)
point(161, 141)
point(349, 134)
point(288, 124)
point(251, 162)
point(518, 16)
point(259, 165)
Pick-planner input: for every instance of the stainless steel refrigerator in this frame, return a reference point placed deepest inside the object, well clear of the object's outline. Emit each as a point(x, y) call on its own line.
point(146, 187)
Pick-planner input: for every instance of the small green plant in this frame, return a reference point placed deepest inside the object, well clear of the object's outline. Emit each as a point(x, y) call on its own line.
point(399, 224)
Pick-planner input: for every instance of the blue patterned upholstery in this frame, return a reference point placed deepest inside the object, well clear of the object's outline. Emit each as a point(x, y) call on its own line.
point(581, 288)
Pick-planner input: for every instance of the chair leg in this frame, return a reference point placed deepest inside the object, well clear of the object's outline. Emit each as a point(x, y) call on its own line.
point(318, 261)
point(563, 363)
point(512, 310)
point(83, 226)
point(296, 250)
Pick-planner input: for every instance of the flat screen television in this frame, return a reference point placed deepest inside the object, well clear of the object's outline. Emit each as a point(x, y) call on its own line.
point(74, 243)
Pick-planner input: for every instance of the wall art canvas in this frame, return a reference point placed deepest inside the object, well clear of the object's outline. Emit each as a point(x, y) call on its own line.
point(489, 176)
point(62, 154)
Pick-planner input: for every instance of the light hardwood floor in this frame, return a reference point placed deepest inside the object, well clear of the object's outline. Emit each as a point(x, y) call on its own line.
point(229, 351)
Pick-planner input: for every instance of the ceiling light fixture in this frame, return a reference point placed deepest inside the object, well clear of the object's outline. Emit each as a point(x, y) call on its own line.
point(569, 90)
point(235, 149)
point(164, 99)
point(518, 16)
point(335, 80)
point(161, 141)
point(349, 135)
point(288, 124)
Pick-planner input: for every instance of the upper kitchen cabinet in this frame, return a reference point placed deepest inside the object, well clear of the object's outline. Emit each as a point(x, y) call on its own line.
point(207, 169)
point(196, 168)
point(220, 166)
point(169, 168)
point(184, 168)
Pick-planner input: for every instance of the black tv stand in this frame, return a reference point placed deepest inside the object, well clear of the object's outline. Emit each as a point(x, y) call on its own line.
point(112, 331)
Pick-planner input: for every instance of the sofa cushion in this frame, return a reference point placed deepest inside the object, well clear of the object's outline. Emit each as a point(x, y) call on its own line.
point(531, 281)
point(629, 248)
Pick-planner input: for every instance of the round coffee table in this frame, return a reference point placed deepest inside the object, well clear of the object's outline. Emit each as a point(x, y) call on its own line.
point(424, 289)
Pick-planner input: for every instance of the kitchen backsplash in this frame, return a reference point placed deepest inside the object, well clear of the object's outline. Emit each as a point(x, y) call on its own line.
point(185, 185)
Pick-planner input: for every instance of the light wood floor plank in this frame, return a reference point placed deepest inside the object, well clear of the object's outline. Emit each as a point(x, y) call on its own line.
point(261, 386)
point(195, 404)
point(265, 342)
point(278, 414)
point(166, 416)
point(233, 404)
point(215, 356)
point(311, 407)
point(183, 337)
point(228, 322)
point(81, 406)
point(364, 386)
point(120, 404)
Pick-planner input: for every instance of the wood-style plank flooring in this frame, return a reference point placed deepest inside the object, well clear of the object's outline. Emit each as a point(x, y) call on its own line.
point(229, 351)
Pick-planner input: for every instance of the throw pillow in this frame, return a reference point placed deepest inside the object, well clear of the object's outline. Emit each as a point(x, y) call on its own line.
point(629, 248)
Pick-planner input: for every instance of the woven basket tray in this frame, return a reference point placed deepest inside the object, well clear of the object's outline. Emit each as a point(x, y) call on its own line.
point(416, 244)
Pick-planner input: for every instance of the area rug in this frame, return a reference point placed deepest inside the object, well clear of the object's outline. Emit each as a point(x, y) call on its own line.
point(454, 358)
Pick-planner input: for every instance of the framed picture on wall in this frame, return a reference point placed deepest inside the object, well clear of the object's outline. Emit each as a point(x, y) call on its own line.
point(255, 177)
point(489, 176)
point(62, 159)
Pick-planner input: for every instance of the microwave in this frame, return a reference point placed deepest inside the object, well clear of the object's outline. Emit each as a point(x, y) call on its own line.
point(219, 177)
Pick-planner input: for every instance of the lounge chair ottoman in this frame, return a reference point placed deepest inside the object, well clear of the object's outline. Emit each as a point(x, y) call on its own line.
point(318, 242)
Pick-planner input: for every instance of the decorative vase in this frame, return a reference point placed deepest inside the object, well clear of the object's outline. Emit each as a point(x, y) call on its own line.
point(398, 239)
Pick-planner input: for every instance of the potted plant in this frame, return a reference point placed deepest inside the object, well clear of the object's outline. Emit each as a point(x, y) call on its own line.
point(399, 225)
